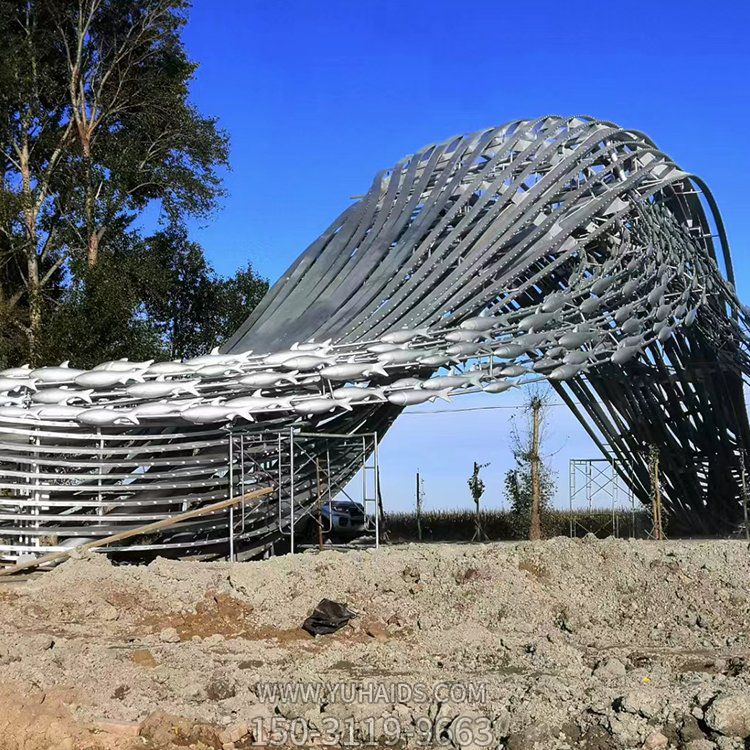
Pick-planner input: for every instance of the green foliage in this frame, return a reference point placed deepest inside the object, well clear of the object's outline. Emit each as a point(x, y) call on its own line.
point(476, 483)
point(96, 126)
point(151, 299)
point(193, 309)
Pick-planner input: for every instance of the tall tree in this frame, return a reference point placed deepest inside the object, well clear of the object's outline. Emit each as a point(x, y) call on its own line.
point(95, 125)
point(193, 308)
point(530, 484)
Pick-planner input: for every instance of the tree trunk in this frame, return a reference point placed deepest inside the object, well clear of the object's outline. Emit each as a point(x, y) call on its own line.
point(535, 527)
point(92, 255)
point(33, 284)
point(35, 306)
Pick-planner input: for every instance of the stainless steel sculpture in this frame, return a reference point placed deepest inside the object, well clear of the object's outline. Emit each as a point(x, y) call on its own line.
point(565, 249)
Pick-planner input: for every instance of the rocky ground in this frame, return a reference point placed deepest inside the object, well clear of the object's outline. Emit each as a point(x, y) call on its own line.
point(558, 644)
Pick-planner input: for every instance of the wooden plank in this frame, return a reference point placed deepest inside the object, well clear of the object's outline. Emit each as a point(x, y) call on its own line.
point(147, 529)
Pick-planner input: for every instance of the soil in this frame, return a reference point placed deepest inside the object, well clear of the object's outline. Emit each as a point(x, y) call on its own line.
point(556, 644)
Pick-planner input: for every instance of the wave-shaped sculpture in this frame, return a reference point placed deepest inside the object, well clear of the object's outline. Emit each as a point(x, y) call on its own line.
point(563, 249)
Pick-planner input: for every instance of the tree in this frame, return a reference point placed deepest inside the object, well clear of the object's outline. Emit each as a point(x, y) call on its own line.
point(476, 487)
point(193, 308)
point(152, 298)
point(531, 475)
point(95, 125)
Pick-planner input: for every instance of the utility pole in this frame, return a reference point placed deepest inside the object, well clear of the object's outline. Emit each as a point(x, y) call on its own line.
point(655, 492)
point(419, 510)
point(535, 527)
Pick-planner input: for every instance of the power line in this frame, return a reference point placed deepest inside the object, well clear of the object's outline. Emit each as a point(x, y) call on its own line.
point(490, 408)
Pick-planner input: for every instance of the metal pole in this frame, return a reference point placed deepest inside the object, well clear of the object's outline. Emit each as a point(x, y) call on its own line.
point(419, 510)
point(231, 496)
point(319, 504)
point(278, 485)
point(655, 492)
point(291, 488)
point(535, 528)
point(571, 490)
point(377, 491)
point(242, 477)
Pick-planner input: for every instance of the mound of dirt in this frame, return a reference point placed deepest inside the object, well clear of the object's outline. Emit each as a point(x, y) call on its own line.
point(558, 644)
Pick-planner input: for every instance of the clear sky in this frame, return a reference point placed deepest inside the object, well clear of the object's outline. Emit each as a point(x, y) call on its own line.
point(317, 96)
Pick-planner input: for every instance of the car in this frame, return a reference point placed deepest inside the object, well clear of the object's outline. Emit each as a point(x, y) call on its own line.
point(343, 517)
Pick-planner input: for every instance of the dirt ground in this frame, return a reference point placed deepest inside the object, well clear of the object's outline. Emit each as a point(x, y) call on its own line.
point(558, 644)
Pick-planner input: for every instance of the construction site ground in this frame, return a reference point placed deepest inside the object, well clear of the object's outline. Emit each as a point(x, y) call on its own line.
point(557, 644)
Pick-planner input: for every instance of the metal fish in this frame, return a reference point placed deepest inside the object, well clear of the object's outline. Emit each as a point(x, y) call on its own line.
point(208, 414)
point(497, 386)
point(406, 383)
point(508, 351)
point(61, 396)
point(458, 336)
point(601, 286)
point(256, 402)
point(161, 388)
point(631, 326)
point(8, 385)
point(107, 379)
point(442, 382)
point(399, 356)
point(480, 324)
point(545, 363)
point(215, 359)
point(574, 339)
point(169, 369)
point(380, 348)
point(410, 397)
point(315, 406)
point(535, 321)
point(125, 365)
point(16, 372)
point(16, 412)
point(401, 337)
point(157, 409)
point(352, 371)
point(576, 357)
point(565, 372)
point(590, 305)
point(218, 371)
point(269, 378)
point(513, 371)
point(357, 393)
point(463, 350)
point(434, 360)
point(624, 354)
point(61, 374)
point(59, 411)
point(105, 417)
point(306, 362)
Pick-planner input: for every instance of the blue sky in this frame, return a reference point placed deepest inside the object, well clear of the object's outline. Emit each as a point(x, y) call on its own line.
point(317, 96)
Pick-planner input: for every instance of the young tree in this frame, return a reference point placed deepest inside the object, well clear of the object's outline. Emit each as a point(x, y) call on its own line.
point(530, 484)
point(95, 125)
point(476, 487)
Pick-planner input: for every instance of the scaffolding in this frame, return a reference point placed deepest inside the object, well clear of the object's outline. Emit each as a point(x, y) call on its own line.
point(308, 470)
point(598, 483)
